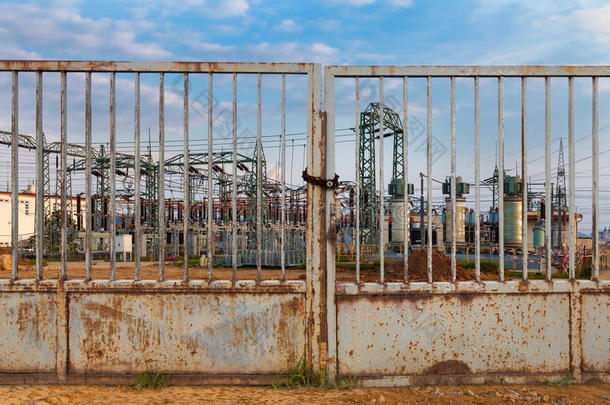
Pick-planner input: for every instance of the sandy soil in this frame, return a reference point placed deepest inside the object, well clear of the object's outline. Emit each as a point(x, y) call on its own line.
point(480, 394)
point(345, 271)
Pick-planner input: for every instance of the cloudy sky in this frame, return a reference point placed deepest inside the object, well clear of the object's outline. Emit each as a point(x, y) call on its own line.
point(364, 32)
point(332, 31)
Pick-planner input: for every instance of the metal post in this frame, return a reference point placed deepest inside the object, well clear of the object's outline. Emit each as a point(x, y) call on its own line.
point(571, 180)
point(283, 168)
point(39, 179)
point(137, 198)
point(548, 216)
point(524, 231)
point(477, 181)
point(453, 185)
point(234, 190)
point(88, 208)
point(406, 226)
point(15, 175)
point(112, 176)
point(210, 225)
point(186, 198)
point(316, 223)
point(595, 180)
point(161, 212)
point(259, 181)
point(63, 169)
point(501, 175)
point(429, 170)
point(381, 188)
point(357, 127)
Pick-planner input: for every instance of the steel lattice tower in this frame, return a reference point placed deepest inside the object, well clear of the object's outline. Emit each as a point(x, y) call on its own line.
point(369, 131)
point(561, 200)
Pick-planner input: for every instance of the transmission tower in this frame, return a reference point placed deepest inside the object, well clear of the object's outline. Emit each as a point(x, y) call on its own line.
point(560, 195)
point(561, 199)
point(369, 131)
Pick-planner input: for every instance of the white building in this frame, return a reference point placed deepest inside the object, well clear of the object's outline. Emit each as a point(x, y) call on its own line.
point(27, 217)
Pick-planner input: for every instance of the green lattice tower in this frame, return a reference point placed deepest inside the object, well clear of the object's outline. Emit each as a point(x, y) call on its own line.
point(49, 201)
point(369, 211)
point(369, 131)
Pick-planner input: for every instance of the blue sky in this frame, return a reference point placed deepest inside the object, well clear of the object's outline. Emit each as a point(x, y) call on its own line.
point(364, 32)
point(334, 31)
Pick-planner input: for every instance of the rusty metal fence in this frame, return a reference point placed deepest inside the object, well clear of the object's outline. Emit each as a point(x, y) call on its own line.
point(400, 331)
point(252, 331)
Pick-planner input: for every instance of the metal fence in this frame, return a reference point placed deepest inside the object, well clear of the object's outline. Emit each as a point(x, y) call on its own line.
point(233, 254)
point(386, 332)
point(431, 74)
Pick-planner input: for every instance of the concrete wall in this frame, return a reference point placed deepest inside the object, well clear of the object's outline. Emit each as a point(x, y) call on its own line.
point(109, 332)
point(469, 333)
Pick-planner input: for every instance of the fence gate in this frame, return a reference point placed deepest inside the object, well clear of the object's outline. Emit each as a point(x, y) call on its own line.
point(397, 319)
point(199, 188)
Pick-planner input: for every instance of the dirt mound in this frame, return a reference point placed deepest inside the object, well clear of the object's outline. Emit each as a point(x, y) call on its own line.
point(418, 269)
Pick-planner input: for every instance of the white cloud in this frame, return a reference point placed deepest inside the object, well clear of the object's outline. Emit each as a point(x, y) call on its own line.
point(63, 33)
point(288, 25)
point(212, 9)
point(592, 21)
point(271, 52)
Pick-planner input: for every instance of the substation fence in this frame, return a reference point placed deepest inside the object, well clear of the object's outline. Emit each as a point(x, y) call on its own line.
point(258, 253)
point(432, 74)
point(380, 333)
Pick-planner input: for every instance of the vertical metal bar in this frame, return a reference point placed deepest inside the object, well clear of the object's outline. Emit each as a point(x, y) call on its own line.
point(453, 185)
point(234, 190)
point(501, 175)
point(112, 204)
point(187, 192)
point(63, 172)
point(477, 183)
point(137, 199)
point(571, 179)
point(548, 215)
point(595, 180)
point(15, 175)
point(328, 306)
point(283, 168)
point(88, 208)
point(39, 179)
point(429, 171)
point(405, 169)
point(381, 188)
point(161, 212)
point(357, 126)
point(259, 188)
point(524, 232)
point(210, 227)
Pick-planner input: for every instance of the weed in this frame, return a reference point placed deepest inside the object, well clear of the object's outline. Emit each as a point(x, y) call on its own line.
point(150, 381)
point(561, 382)
point(302, 375)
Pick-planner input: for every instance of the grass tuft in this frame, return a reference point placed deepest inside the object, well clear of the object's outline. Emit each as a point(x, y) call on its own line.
point(150, 381)
point(303, 375)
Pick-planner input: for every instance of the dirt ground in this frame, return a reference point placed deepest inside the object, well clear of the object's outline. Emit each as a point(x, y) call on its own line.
point(480, 394)
point(345, 271)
